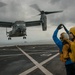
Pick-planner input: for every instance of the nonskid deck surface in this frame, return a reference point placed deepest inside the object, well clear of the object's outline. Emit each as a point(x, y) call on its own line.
point(31, 60)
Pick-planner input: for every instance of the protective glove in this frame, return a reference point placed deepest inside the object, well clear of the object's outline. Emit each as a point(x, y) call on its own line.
point(66, 29)
point(60, 26)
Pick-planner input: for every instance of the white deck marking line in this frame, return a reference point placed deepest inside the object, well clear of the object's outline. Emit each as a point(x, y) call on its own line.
point(11, 55)
point(42, 50)
point(44, 70)
point(42, 63)
point(47, 60)
point(46, 54)
point(38, 53)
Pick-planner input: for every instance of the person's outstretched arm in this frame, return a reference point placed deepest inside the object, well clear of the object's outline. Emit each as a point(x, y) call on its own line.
point(66, 30)
point(56, 39)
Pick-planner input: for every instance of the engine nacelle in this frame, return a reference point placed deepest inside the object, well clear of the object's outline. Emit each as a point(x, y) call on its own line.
point(44, 22)
point(44, 26)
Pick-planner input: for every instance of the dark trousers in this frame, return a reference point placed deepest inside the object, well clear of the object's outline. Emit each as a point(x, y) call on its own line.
point(70, 69)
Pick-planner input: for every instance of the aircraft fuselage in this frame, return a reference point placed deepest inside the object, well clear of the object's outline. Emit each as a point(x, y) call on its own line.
point(18, 29)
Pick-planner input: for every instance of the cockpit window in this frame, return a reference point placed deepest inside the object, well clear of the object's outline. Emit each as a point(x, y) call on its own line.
point(23, 24)
point(18, 24)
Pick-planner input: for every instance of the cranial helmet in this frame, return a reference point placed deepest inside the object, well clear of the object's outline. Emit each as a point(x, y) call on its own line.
point(64, 36)
point(72, 30)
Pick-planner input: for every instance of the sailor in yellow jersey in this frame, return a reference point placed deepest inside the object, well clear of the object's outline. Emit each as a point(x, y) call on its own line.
point(69, 65)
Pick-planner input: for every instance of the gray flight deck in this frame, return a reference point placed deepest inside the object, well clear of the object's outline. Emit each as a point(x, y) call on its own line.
point(31, 60)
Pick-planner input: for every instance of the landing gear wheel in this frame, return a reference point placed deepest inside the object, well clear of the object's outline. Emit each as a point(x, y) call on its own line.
point(9, 38)
point(24, 37)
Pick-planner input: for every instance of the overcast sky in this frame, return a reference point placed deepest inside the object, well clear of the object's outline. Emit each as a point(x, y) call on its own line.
point(13, 10)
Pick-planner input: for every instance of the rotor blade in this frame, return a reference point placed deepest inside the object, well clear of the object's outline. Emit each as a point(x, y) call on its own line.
point(35, 6)
point(2, 4)
point(53, 12)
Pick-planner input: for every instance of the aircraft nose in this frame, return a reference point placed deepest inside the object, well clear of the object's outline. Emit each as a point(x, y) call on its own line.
point(19, 29)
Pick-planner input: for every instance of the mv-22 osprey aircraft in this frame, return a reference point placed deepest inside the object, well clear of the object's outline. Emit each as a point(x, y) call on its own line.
point(19, 27)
